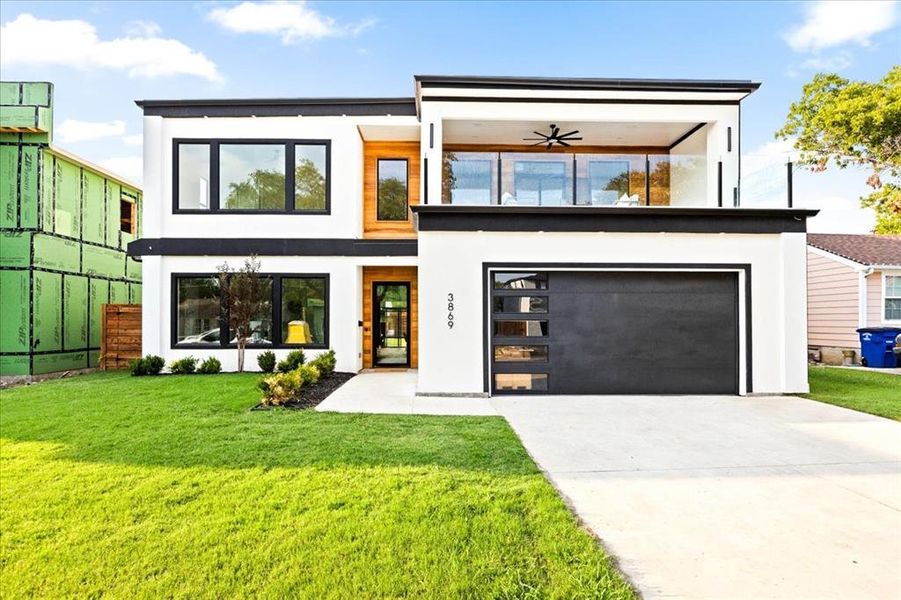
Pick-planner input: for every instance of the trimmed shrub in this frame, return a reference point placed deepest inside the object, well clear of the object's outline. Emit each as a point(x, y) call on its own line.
point(308, 374)
point(266, 361)
point(154, 364)
point(183, 366)
point(149, 365)
point(294, 359)
point(138, 367)
point(325, 362)
point(210, 366)
point(280, 388)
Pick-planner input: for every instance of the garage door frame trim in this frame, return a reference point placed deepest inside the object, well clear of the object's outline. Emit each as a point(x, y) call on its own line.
point(488, 267)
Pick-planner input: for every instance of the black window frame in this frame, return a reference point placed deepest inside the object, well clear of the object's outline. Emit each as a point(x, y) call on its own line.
point(224, 333)
point(289, 145)
point(378, 185)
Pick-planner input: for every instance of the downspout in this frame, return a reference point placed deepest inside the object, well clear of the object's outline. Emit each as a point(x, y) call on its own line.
point(862, 275)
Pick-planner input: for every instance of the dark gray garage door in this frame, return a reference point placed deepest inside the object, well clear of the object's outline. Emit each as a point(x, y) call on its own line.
point(595, 332)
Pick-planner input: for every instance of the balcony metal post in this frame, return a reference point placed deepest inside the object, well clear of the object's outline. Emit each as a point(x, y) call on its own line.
point(789, 183)
point(647, 180)
point(719, 184)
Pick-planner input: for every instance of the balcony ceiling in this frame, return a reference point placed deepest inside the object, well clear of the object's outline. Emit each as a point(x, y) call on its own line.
point(593, 134)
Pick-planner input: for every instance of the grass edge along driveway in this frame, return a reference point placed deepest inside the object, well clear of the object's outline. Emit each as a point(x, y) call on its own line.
point(169, 486)
point(865, 391)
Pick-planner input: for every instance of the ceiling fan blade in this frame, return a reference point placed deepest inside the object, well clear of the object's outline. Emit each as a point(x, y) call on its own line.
point(549, 144)
point(541, 143)
point(563, 135)
point(533, 139)
point(554, 131)
point(541, 134)
point(562, 143)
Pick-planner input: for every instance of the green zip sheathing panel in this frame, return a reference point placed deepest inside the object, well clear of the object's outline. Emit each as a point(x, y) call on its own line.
point(15, 249)
point(75, 303)
point(94, 208)
point(62, 251)
point(98, 295)
point(48, 311)
point(15, 299)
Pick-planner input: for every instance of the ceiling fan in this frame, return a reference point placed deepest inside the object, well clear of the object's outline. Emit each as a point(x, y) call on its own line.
point(554, 138)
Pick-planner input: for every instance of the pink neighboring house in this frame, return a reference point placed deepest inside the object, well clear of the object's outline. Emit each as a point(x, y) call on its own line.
point(852, 281)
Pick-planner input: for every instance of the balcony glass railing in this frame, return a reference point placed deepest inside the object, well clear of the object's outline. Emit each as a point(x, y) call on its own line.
point(573, 179)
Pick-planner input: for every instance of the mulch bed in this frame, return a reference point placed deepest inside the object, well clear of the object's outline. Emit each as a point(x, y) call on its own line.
point(312, 395)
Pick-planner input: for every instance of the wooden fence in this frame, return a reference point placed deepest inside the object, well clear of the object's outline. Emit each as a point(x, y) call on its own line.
point(121, 335)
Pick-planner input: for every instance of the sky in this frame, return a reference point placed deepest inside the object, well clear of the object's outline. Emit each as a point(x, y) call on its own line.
point(102, 56)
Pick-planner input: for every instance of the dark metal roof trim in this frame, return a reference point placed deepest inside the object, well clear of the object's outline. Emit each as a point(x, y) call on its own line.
point(271, 247)
point(643, 219)
point(588, 83)
point(279, 107)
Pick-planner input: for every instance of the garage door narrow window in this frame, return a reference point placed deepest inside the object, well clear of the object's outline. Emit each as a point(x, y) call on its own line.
point(525, 382)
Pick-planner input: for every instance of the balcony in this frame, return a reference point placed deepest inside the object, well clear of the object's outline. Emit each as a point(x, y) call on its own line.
point(573, 179)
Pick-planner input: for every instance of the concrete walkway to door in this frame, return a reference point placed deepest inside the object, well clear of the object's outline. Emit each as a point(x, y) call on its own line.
point(727, 497)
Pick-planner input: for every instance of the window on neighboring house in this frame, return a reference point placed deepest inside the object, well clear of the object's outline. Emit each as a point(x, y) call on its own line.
point(294, 312)
point(892, 298)
point(392, 189)
point(127, 216)
point(252, 176)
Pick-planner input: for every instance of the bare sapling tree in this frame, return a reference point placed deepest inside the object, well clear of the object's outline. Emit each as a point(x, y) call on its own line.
point(242, 293)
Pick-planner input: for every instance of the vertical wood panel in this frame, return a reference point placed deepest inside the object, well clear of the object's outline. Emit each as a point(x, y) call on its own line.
point(120, 341)
point(372, 151)
point(400, 274)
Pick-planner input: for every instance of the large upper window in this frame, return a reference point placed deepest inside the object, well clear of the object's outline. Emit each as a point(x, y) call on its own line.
point(251, 176)
point(892, 310)
point(469, 178)
point(392, 190)
point(294, 312)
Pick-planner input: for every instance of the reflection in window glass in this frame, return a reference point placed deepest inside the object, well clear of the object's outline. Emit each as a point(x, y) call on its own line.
point(252, 176)
point(520, 281)
point(535, 382)
point(467, 178)
point(194, 176)
point(520, 304)
point(520, 328)
point(261, 322)
point(197, 315)
point(309, 177)
point(608, 181)
point(541, 183)
point(392, 190)
point(303, 310)
point(520, 353)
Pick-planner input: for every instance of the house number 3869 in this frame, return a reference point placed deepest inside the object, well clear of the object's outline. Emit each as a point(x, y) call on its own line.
point(450, 310)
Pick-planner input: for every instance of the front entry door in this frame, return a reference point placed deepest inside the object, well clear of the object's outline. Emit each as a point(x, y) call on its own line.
point(391, 324)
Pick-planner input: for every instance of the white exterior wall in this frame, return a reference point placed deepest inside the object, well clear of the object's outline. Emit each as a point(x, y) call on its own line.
point(688, 186)
point(718, 119)
point(451, 360)
point(345, 220)
point(345, 308)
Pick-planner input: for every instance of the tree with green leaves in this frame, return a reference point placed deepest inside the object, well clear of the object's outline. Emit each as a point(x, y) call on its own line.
point(854, 123)
point(244, 296)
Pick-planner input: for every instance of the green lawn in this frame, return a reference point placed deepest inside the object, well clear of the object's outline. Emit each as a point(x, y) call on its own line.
point(874, 393)
point(171, 487)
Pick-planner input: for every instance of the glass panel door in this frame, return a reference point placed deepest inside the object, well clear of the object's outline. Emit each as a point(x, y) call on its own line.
point(391, 324)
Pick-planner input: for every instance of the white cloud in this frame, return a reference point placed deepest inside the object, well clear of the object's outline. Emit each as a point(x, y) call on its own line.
point(133, 140)
point(291, 21)
point(141, 28)
point(129, 167)
point(73, 130)
point(774, 150)
point(837, 62)
point(75, 43)
point(833, 23)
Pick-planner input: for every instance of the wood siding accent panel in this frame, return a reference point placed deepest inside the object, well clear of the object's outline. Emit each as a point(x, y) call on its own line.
point(875, 312)
point(120, 341)
point(380, 274)
point(372, 151)
point(832, 303)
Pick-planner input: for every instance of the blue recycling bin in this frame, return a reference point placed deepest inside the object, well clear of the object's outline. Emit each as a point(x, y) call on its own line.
point(877, 345)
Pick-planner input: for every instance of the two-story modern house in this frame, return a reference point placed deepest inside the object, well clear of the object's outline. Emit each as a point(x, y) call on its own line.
point(499, 234)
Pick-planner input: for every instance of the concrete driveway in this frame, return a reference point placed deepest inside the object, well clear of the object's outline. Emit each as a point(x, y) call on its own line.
point(726, 497)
